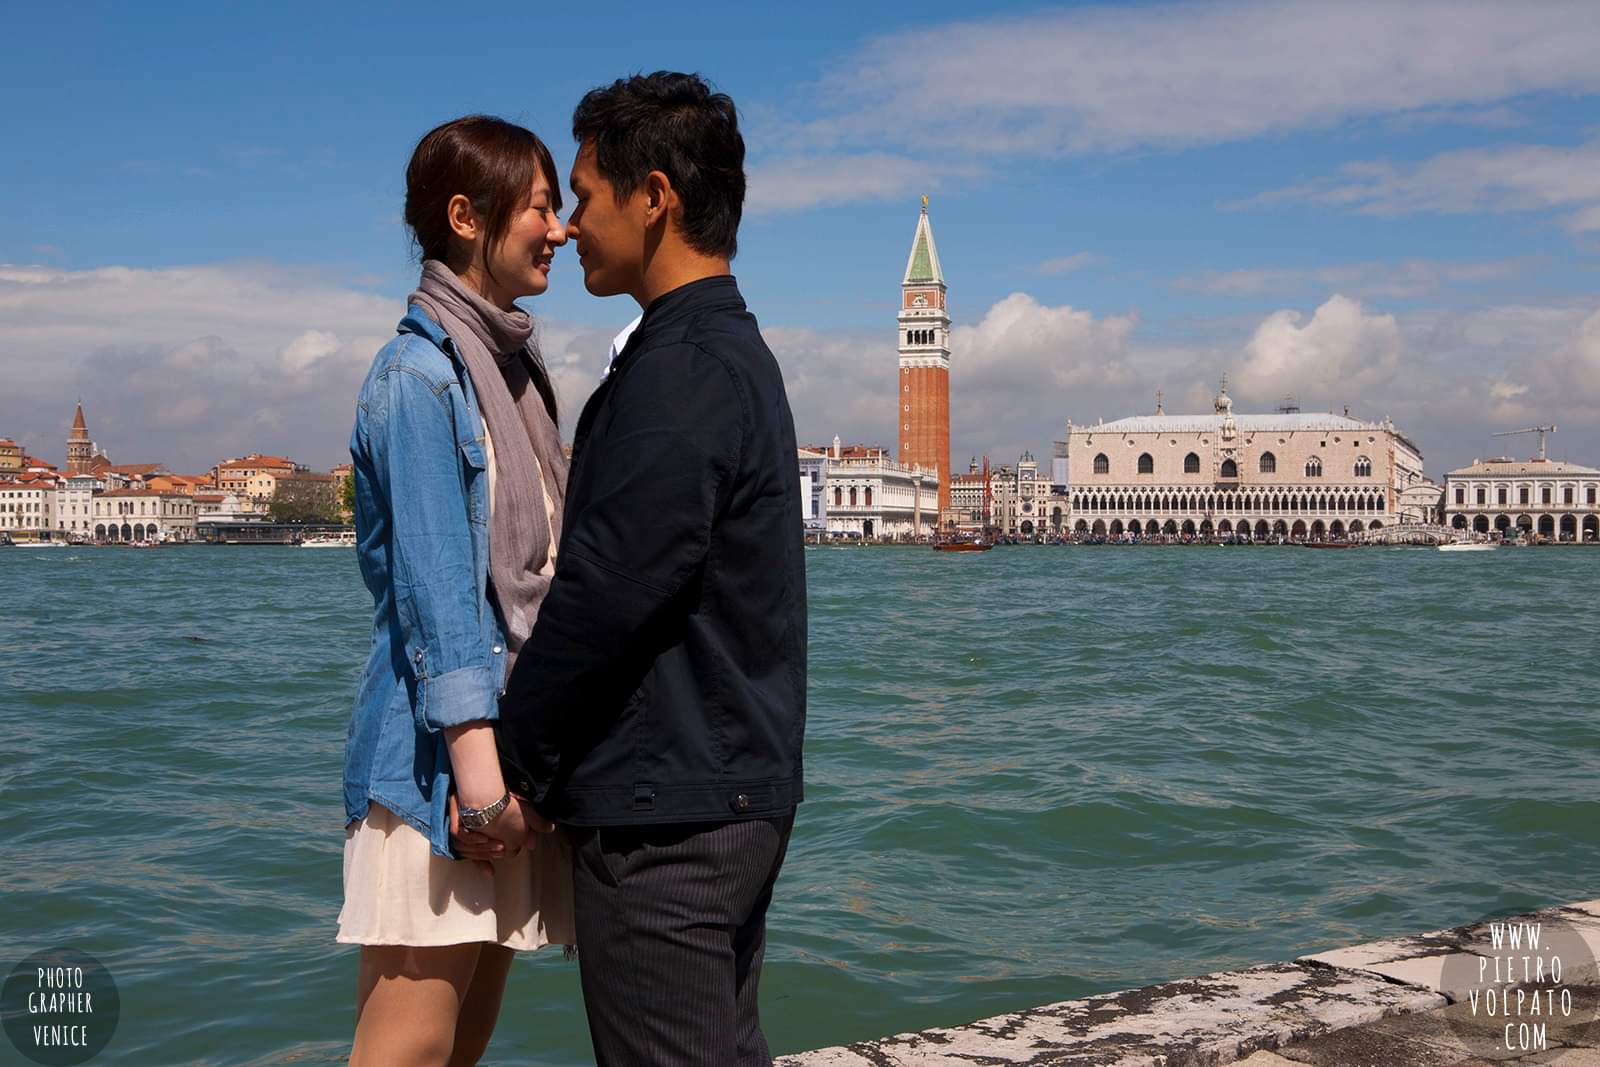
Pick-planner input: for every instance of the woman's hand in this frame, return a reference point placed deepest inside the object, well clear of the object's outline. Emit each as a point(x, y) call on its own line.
point(470, 844)
point(475, 765)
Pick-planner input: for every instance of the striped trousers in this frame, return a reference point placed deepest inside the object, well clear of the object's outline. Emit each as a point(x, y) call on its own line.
point(672, 928)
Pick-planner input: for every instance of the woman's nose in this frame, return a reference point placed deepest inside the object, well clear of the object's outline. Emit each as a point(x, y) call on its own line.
point(558, 234)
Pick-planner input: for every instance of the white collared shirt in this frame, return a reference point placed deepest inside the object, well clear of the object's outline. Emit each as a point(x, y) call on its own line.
point(618, 343)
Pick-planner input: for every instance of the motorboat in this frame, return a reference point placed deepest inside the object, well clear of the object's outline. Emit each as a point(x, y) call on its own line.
point(1468, 546)
point(963, 546)
point(344, 539)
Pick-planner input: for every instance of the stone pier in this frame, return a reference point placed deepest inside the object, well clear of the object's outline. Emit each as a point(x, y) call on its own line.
point(1401, 1002)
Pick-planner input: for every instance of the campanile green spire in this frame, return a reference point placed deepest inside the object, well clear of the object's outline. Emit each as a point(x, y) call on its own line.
point(923, 266)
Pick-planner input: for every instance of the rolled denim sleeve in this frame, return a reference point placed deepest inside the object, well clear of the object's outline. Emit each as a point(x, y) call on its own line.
point(422, 473)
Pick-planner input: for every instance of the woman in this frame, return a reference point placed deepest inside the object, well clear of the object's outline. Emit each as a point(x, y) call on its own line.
point(459, 477)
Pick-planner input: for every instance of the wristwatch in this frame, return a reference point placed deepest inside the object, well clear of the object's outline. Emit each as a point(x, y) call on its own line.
point(478, 818)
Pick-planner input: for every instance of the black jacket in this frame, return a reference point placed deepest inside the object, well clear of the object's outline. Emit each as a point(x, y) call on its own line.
point(665, 679)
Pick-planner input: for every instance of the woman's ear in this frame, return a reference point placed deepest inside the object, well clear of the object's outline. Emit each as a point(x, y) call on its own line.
point(463, 220)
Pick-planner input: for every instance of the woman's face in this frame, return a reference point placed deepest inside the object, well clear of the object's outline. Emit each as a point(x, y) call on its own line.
point(520, 264)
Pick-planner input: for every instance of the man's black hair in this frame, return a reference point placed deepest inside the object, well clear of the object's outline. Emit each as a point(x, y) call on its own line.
point(673, 123)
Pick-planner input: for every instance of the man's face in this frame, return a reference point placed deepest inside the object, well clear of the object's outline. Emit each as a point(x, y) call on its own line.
point(610, 236)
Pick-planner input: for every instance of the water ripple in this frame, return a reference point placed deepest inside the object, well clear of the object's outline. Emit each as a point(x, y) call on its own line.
point(1033, 775)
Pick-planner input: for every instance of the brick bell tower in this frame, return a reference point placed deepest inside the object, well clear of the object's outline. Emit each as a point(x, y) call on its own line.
point(924, 407)
point(80, 450)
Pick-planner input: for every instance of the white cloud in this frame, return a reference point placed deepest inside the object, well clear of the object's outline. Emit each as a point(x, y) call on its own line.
point(1408, 278)
point(188, 365)
point(1067, 264)
point(1011, 373)
point(1501, 178)
point(306, 350)
point(800, 182)
point(1341, 348)
point(1115, 78)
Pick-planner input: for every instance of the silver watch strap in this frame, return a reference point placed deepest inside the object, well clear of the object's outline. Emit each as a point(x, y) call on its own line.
point(477, 818)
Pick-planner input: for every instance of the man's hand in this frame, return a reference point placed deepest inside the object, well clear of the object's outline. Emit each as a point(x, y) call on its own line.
point(537, 824)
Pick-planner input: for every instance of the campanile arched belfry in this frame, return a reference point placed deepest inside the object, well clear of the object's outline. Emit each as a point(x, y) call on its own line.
point(923, 411)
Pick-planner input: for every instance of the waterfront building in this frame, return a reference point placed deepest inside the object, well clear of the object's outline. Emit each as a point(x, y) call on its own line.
point(1422, 503)
point(75, 504)
point(143, 515)
point(923, 404)
point(254, 474)
point(1024, 504)
point(302, 488)
point(1297, 475)
point(966, 501)
point(814, 491)
point(187, 484)
point(1560, 501)
point(228, 508)
point(10, 459)
point(27, 508)
point(869, 495)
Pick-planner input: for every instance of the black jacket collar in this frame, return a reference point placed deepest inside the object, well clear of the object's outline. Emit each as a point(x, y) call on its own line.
point(720, 291)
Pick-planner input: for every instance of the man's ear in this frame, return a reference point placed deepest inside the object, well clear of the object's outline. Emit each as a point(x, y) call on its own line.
point(659, 197)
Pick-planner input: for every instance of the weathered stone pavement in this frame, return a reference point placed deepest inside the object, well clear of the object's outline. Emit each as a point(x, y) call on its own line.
point(1401, 1002)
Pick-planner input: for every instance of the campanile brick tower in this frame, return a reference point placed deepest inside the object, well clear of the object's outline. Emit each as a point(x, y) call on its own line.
point(80, 450)
point(924, 407)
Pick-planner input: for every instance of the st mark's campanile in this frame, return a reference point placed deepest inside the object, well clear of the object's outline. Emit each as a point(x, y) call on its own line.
point(924, 407)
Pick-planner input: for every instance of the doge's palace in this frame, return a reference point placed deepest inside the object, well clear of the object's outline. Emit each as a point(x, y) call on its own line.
point(1303, 476)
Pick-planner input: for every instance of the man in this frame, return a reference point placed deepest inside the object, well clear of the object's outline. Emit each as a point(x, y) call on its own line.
point(657, 710)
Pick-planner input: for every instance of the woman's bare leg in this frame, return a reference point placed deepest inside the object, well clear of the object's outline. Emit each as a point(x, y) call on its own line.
point(408, 1002)
point(480, 1009)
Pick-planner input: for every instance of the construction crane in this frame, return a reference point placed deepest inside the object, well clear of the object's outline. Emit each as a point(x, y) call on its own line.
point(1540, 430)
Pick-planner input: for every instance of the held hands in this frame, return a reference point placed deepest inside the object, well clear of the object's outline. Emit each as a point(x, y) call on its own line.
point(476, 763)
point(506, 836)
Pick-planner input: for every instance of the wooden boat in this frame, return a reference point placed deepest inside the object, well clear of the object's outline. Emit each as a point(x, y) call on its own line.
point(1329, 544)
point(962, 546)
point(981, 542)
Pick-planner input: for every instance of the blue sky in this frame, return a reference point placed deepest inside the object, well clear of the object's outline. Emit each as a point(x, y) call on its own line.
point(1394, 207)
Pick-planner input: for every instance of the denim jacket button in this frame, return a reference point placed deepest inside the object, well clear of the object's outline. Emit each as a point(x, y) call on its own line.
point(497, 650)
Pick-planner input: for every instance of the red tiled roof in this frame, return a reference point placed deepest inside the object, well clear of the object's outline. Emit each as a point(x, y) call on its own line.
point(252, 462)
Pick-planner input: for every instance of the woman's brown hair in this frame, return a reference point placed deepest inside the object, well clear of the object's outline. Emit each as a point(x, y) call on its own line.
point(493, 164)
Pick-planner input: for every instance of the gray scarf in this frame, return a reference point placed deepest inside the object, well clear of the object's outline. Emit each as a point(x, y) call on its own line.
point(492, 343)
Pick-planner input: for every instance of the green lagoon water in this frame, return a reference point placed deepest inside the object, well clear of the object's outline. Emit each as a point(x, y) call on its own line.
point(1033, 774)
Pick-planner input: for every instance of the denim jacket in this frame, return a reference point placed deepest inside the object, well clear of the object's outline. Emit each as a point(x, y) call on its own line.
point(422, 524)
